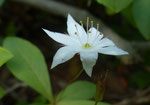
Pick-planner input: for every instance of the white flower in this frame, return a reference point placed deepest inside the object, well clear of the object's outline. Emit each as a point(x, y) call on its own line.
point(87, 44)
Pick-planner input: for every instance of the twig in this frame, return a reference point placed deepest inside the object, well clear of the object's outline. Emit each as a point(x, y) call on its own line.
point(17, 85)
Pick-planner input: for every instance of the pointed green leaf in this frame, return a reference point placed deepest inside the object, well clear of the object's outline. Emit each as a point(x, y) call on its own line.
point(5, 55)
point(2, 92)
point(29, 65)
point(115, 5)
point(141, 15)
point(80, 90)
point(82, 102)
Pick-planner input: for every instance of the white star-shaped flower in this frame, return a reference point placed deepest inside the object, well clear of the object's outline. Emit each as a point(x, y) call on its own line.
point(87, 44)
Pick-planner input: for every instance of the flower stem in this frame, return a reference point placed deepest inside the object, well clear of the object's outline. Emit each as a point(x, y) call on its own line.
point(96, 102)
point(77, 76)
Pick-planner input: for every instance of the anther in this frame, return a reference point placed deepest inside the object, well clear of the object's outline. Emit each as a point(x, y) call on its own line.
point(89, 31)
point(92, 22)
point(75, 33)
point(101, 33)
point(75, 25)
point(81, 22)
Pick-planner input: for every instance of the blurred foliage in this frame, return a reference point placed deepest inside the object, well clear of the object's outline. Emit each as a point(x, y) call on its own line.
point(5, 55)
point(115, 5)
point(140, 79)
point(2, 92)
point(11, 29)
point(38, 104)
point(40, 99)
point(1, 41)
point(1, 2)
point(146, 57)
point(127, 13)
point(141, 14)
point(29, 65)
point(110, 12)
point(22, 102)
point(137, 12)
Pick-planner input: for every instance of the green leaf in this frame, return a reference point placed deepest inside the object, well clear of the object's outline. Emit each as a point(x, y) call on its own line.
point(29, 65)
point(1, 2)
point(127, 13)
point(5, 55)
point(80, 90)
point(115, 5)
point(109, 11)
point(82, 102)
point(141, 15)
point(2, 92)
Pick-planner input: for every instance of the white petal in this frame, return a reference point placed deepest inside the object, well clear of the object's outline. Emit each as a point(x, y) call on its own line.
point(94, 35)
point(112, 50)
point(104, 42)
point(63, 55)
point(88, 61)
point(78, 29)
point(61, 38)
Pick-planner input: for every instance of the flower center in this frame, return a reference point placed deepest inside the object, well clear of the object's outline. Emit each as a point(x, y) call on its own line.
point(87, 45)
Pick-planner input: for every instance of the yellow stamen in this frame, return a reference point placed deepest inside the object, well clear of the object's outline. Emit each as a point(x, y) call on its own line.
point(76, 29)
point(81, 22)
point(89, 31)
point(92, 22)
point(101, 33)
point(75, 33)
